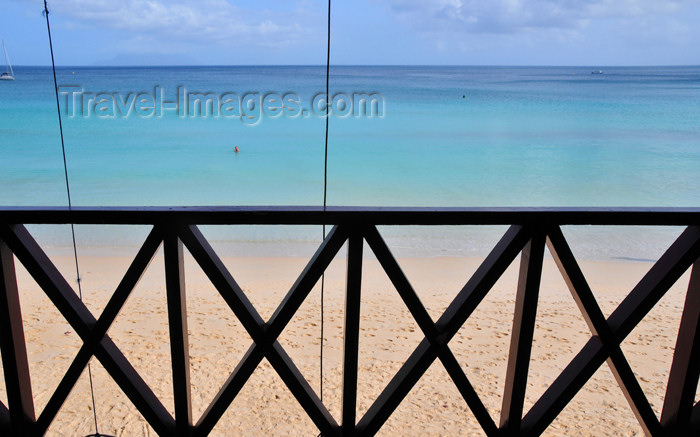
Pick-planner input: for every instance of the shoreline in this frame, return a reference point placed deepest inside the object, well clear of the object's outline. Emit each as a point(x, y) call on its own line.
point(388, 335)
point(589, 243)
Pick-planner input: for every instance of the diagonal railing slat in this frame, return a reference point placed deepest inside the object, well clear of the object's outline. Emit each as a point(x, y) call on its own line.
point(426, 324)
point(228, 392)
point(81, 320)
point(225, 284)
point(482, 281)
point(672, 264)
point(594, 317)
point(265, 334)
point(449, 323)
point(284, 366)
point(132, 276)
point(397, 389)
point(665, 272)
point(48, 278)
point(240, 305)
point(135, 388)
point(76, 368)
point(449, 361)
point(302, 391)
point(398, 279)
point(306, 281)
point(530, 229)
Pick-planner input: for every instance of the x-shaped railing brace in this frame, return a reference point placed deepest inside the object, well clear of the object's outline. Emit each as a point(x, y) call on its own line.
point(608, 334)
point(91, 331)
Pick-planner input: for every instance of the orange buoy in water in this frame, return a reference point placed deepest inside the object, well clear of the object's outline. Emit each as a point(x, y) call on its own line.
point(236, 149)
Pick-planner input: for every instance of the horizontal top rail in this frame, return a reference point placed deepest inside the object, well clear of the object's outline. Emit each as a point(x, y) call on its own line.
point(315, 215)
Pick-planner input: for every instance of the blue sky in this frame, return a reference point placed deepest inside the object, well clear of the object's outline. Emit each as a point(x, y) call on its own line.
point(453, 32)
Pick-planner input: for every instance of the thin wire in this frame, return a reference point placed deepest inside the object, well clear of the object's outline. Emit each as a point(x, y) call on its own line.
point(70, 204)
point(325, 182)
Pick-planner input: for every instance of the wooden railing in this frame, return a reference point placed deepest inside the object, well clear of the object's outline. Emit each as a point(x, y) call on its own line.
point(530, 230)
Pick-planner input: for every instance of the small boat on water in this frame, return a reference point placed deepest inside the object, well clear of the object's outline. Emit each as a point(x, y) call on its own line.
point(597, 72)
point(8, 74)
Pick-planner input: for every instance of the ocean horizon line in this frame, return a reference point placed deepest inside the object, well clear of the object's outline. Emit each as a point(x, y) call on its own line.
point(98, 65)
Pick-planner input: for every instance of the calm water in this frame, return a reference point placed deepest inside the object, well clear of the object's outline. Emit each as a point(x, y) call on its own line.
point(448, 136)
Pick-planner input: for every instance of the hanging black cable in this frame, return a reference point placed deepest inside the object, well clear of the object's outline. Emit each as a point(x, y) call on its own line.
point(70, 204)
point(325, 183)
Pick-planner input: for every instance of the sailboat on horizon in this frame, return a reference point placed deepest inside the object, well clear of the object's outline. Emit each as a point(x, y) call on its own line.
point(8, 74)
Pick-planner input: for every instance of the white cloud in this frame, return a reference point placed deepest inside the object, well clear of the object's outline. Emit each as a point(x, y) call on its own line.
point(515, 16)
point(189, 23)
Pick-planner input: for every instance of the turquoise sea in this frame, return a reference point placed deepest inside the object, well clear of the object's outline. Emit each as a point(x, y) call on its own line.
point(442, 136)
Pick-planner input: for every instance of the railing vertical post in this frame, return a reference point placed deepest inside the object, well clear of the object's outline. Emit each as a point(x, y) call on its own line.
point(685, 369)
point(352, 333)
point(14, 349)
point(177, 318)
point(521, 338)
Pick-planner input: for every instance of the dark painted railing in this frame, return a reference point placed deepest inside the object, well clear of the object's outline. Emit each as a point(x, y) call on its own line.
point(530, 230)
